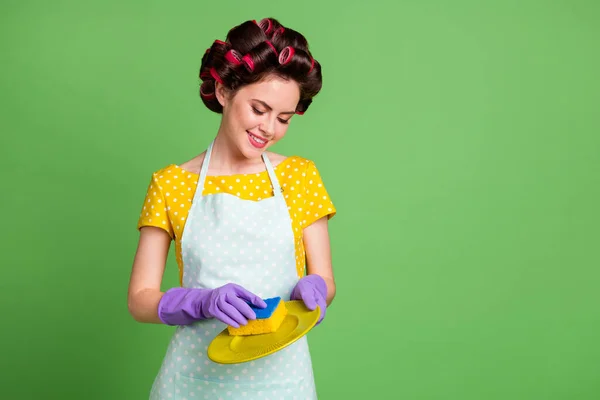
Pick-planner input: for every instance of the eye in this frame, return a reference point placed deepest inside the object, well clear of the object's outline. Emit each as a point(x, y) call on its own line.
point(257, 111)
point(284, 121)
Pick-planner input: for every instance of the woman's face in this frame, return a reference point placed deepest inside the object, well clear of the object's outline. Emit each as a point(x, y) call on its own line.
point(258, 115)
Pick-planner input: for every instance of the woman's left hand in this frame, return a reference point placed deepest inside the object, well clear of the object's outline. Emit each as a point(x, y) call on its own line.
point(312, 290)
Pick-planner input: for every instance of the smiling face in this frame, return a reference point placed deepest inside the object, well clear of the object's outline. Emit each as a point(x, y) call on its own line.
point(258, 115)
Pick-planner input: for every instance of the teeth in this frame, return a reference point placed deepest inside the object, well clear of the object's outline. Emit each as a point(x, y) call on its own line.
point(258, 139)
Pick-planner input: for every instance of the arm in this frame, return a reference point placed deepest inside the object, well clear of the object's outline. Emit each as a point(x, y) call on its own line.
point(318, 254)
point(146, 275)
point(180, 306)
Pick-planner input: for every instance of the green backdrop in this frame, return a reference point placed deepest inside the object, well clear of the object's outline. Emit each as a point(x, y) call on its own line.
point(459, 141)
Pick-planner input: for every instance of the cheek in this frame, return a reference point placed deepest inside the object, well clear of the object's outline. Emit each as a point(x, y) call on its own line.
point(243, 118)
point(281, 131)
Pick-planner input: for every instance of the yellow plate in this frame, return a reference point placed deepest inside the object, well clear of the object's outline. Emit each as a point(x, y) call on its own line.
point(229, 349)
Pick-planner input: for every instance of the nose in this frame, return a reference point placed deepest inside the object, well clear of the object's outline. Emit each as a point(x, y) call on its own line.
point(268, 127)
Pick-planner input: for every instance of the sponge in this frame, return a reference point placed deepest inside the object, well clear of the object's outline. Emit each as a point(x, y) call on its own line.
point(267, 319)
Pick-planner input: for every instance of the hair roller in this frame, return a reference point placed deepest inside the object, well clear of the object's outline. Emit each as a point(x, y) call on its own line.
point(248, 62)
point(214, 74)
point(303, 106)
point(233, 57)
point(312, 65)
point(220, 42)
point(204, 75)
point(271, 46)
point(266, 25)
point(286, 55)
point(207, 90)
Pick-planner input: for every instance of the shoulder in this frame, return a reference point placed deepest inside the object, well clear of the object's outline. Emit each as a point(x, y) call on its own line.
point(193, 165)
point(298, 172)
point(295, 162)
point(172, 174)
point(292, 167)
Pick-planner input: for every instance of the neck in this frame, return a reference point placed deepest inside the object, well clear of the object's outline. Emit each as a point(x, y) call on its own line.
point(227, 159)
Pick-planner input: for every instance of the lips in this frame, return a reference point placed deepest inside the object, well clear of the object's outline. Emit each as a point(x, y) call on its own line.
point(256, 141)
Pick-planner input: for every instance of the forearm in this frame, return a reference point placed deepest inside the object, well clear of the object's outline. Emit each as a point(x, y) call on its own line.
point(143, 305)
point(330, 289)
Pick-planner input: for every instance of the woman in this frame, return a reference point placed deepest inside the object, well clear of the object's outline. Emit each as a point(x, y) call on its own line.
point(248, 224)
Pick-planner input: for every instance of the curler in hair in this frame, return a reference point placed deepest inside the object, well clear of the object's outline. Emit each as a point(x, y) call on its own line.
point(266, 25)
point(271, 45)
point(233, 57)
point(286, 55)
point(222, 43)
point(203, 93)
point(312, 65)
point(248, 62)
point(214, 74)
point(205, 75)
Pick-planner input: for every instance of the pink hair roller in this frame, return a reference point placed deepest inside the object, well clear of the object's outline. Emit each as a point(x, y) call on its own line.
point(271, 46)
point(203, 91)
point(266, 25)
point(312, 65)
point(286, 55)
point(214, 74)
point(233, 57)
point(247, 60)
point(207, 96)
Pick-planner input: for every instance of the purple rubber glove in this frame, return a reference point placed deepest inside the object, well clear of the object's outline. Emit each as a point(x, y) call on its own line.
point(312, 290)
point(228, 304)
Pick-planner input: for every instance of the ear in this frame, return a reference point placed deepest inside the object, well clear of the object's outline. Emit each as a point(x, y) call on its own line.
point(222, 93)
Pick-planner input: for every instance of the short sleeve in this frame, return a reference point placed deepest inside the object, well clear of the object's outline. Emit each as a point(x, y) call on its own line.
point(317, 202)
point(154, 210)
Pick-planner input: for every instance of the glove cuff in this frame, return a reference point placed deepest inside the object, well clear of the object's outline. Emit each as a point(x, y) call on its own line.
point(318, 282)
point(179, 306)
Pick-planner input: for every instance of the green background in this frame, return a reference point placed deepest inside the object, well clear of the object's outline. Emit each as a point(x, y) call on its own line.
point(458, 140)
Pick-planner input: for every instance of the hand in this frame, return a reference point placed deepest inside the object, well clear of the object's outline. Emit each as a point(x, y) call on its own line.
point(228, 304)
point(312, 290)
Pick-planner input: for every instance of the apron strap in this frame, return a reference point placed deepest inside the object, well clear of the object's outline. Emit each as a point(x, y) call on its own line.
point(204, 170)
point(272, 176)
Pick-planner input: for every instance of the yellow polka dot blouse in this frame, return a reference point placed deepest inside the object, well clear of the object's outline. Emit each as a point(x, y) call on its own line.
point(171, 191)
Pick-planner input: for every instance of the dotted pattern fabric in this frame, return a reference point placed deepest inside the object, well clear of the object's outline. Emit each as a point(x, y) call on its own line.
point(171, 191)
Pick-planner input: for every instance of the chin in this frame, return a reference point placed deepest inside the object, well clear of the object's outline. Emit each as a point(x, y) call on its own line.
point(251, 148)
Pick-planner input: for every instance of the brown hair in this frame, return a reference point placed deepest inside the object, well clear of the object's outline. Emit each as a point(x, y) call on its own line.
point(253, 50)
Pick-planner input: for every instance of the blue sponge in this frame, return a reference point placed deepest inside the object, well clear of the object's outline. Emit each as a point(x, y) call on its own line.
point(264, 313)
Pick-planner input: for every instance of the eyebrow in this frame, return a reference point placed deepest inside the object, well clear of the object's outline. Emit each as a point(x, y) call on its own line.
point(271, 108)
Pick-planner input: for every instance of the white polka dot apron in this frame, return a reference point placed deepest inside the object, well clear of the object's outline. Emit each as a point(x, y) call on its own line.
point(250, 243)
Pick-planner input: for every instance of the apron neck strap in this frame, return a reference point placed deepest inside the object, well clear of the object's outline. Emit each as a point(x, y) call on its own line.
point(273, 176)
point(206, 162)
point(204, 169)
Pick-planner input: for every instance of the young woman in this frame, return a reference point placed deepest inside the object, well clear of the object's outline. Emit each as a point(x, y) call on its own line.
point(248, 224)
